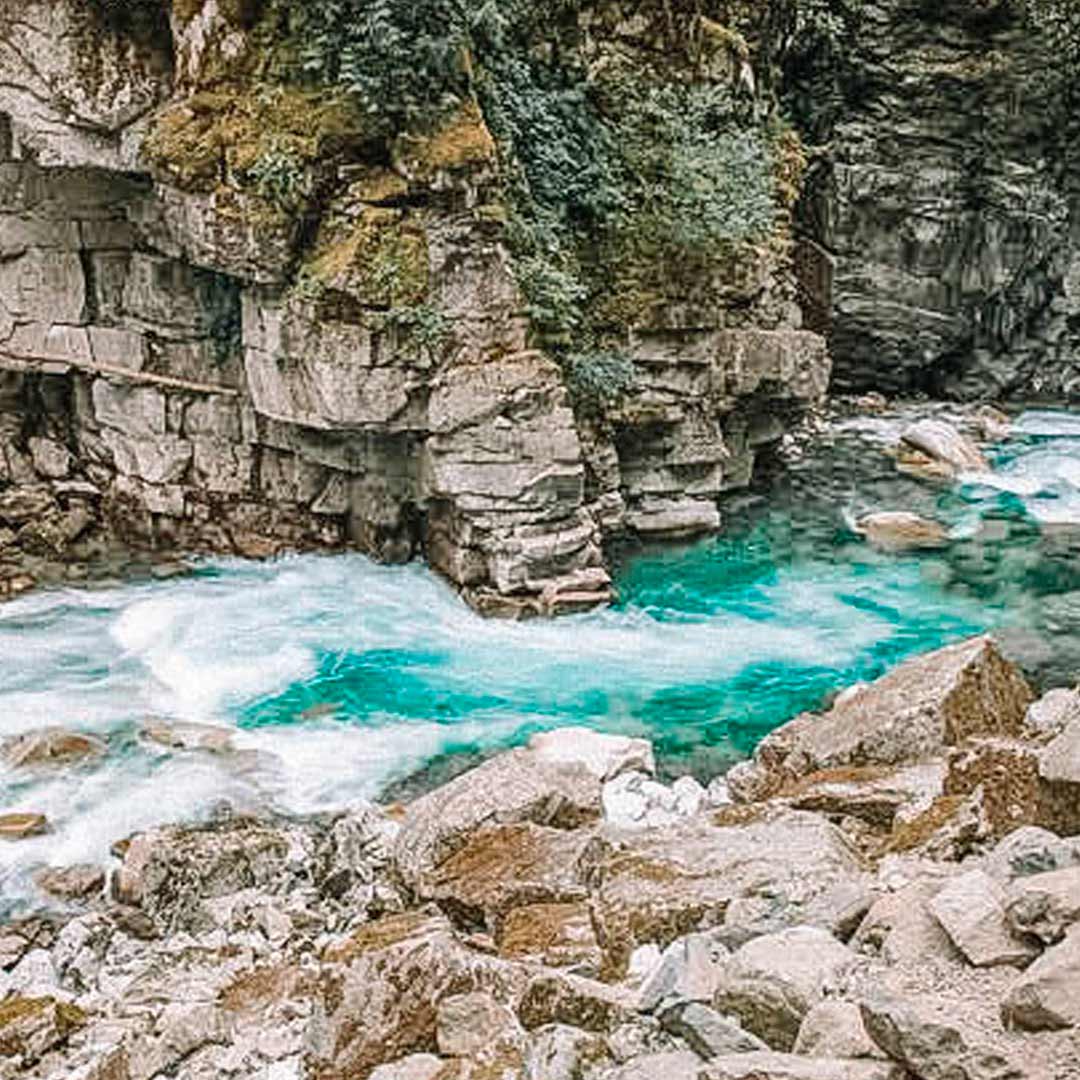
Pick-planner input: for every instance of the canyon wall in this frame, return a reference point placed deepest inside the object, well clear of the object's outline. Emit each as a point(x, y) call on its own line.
point(212, 343)
point(943, 215)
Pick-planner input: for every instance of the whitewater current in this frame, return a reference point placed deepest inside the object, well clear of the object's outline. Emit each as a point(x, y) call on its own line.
point(341, 679)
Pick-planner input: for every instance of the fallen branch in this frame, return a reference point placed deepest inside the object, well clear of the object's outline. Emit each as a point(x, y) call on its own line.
point(24, 363)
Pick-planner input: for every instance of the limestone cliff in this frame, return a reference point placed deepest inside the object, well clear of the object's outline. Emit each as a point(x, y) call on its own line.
point(943, 217)
point(234, 317)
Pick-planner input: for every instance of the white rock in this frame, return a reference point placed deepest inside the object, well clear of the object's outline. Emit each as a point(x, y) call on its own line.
point(689, 970)
point(644, 961)
point(633, 800)
point(719, 792)
point(971, 909)
point(605, 756)
point(1053, 711)
point(690, 797)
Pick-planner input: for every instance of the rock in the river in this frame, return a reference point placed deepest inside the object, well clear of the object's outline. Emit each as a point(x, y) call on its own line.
point(930, 1048)
point(908, 716)
point(51, 746)
point(899, 530)
point(21, 826)
point(1045, 905)
point(1045, 997)
point(971, 908)
point(511, 788)
point(772, 982)
point(71, 882)
point(176, 735)
point(934, 447)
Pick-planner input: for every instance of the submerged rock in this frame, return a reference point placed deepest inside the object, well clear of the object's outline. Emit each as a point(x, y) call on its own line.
point(51, 746)
point(898, 530)
point(935, 448)
point(22, 826)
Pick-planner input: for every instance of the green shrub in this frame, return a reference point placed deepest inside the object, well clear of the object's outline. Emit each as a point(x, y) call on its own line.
point(598, 379)
point(280, 176)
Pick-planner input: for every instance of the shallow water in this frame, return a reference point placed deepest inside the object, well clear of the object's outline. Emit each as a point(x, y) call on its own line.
point(341, 677)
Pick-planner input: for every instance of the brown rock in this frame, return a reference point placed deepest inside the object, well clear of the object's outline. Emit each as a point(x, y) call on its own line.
point(897, 530)
point(558, 998)
point(467, 1025)
point(871, 793)
point(1059, 782)
point(30, 1027)
point(22, 826)
point(186, 736)
point(752, 869)
point(935, 448)
point(556, 935)
point(511, 866)
point(71, 882)
point(379, 989)
point(511, 788)
point(22, 504)
point(1008, 772)
point(906, 717)
point(51, 746)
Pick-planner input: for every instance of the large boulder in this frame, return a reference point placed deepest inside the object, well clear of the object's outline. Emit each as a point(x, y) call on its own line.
point(1045, 997)
point(930, 1048)
point(900, 530)
point(1045, 905)
point(908, 716)
point(971, 909)
point(520, 786)
point(772, 982)
point(380, 988)
point(936, 448)
point(750, 870)
point(773, 1066)
point(1059, 782)
point(51, 746)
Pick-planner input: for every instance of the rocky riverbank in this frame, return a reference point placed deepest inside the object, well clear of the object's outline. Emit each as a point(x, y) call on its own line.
point(888, 890)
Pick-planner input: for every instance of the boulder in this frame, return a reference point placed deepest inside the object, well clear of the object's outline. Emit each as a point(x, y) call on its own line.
point(772, 982)
point(900, 929)
point(178, 735)
point(750, 869)
point(632, 801)
point(413, 1067)
point(1045, 997)
point(51, 746)
point(1053, 712)
point(509, 789)
point(1045, 905)
point(971, 909)
point(928, 1047)
point(898, 530)
point(556, 935)
point(560, 1052)
point(20, 505)
point(560, 998)
point(772, 1066)
point(671, 1065)
point(605, 756)
point(79, 882)
point(31, 1027)
point(467, 1025)
point(1027, 851)
point(172, 871)
point(689, 970)
point(1059, 782)
point(379, 989)
point(511, 866)
point(18, 826)
point(835, 1029)
point(708, 1033)
point(908, 716)
point(936, 448)
point(872, 793)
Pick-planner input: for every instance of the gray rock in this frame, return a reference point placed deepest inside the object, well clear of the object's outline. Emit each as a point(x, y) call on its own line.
point(1045, 997)
point(944, 446)
point(1045, 905)
point(773, 1066)
point(707, 1032)
point(467, 1025)
point(689, 970)
point(835, 1029)
point(1059, 780)
point(671, 1065)
point(560, 1052)
point(772, 982)
point(971, 908)
point(1029, 850)
point(1053, 712)
point(931, 1048)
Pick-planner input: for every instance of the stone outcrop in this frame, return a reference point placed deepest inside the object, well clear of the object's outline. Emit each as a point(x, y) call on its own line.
point(942, 225)
point(189, 362)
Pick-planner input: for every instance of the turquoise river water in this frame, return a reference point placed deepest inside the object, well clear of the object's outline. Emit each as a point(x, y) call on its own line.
point(344, 679)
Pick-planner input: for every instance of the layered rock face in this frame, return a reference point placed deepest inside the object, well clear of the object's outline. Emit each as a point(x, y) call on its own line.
point(944, 222)
point(338, 356)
